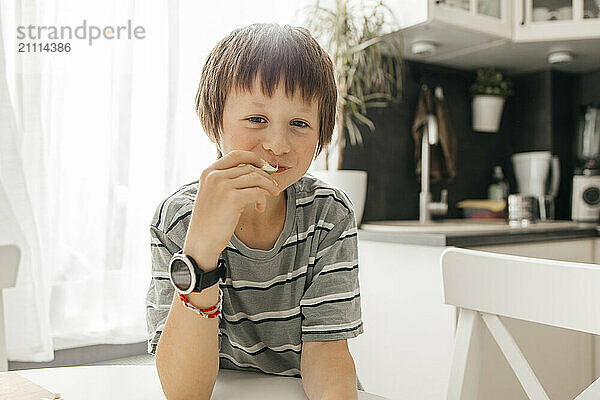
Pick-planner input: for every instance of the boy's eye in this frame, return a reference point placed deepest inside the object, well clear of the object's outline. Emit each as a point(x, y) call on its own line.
point(257, 120)
point(300, 124)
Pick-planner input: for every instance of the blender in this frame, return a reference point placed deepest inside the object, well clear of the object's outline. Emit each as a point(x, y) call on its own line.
point(585, 204)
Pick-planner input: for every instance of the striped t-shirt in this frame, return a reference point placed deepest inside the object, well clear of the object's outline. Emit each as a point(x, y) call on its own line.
point(305, 288)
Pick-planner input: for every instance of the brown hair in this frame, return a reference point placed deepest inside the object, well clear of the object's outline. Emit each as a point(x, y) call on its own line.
point(272, 52)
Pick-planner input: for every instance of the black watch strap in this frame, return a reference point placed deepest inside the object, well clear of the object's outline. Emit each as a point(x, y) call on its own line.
point(197, 278)
point(207, 279)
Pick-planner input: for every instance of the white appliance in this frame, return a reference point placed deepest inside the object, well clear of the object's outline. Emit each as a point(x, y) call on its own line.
point(532, 171)
point(585, 204)
point(586, 198)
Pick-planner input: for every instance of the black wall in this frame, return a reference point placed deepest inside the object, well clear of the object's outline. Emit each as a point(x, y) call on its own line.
point(545, 120)
point(588, 88)
point(542, 115)
point(550, 105)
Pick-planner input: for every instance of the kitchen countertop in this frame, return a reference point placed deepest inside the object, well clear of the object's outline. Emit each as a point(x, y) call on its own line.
point(473, 233)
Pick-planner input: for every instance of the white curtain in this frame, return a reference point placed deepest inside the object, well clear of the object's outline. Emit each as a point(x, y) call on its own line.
point(25, 307)
point(90, 142)
point(88, 150)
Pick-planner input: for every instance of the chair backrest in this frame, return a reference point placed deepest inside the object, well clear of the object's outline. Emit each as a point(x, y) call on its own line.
point(485, 286)
point(558, 293)
point(10, 256)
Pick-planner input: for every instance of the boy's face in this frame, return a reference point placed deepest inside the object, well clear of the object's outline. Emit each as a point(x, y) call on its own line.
point(281, 130)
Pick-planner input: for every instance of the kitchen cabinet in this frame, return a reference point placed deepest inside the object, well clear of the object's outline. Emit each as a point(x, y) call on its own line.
point(577, 250)
point(517, 20)
point(512, 35)
point(492, 17)
point(543, 20)
point(596, 253)
point(407, 345)
point(486, 16)
point(454, 27)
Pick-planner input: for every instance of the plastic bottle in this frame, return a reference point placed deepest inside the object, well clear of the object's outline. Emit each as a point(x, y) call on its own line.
point(498, 190)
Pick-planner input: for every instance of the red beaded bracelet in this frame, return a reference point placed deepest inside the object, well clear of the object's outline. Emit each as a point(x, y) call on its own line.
point(211, 312)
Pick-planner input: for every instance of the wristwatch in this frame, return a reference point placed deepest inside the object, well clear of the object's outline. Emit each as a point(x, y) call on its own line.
point(187, 277)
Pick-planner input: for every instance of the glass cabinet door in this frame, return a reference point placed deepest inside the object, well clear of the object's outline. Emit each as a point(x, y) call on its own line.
point(591, 9)
point(463, 4)
point(490, 8)
point(551, 10)
point(540, 20)
point(490, 17)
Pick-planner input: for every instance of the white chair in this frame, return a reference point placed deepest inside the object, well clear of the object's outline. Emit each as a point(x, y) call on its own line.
point(484, 286)
point(10, 255)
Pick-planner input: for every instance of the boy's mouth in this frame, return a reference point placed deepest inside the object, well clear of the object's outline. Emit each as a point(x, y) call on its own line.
point(281, 169)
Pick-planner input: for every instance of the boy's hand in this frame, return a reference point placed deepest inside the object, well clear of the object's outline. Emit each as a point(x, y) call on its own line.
point(224, 191)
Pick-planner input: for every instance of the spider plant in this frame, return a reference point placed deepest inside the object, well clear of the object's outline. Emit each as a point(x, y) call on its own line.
point(368, 65)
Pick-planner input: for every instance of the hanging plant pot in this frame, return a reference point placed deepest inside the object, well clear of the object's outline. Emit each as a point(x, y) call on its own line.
point(487, 112)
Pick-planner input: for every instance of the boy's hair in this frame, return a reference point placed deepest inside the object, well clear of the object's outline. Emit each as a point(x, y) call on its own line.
point(271, 52)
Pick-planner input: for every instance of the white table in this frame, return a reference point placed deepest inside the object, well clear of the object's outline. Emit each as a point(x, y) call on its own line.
point(141, 382)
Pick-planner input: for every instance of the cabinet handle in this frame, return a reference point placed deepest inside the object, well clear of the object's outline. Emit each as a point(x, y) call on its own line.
point(523, 2)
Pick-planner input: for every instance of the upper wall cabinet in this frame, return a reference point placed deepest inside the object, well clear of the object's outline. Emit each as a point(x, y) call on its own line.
point(487, 16)
point(492, 17)
point(516, 20)
point(543, 20)
point(514, 35)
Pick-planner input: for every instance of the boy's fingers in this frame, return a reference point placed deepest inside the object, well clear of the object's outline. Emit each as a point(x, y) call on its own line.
point(237, 157)
point(246, 169)
point(248, 180)
point(240, 170)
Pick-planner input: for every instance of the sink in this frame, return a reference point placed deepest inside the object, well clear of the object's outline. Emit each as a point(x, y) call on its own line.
point(461, 226)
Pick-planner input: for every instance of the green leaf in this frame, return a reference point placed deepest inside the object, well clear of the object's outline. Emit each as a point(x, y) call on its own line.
point(377, 104)
point(368, 64)
point(353, 99)
point(366, 121)
point(353, 132)
point(489, 81)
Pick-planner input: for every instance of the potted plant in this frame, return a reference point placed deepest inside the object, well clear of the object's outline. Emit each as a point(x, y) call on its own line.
point(489, 91)
point(368, 69)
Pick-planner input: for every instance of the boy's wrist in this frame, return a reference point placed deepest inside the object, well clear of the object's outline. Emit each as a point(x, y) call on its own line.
point(204, 259)
point(207, 298)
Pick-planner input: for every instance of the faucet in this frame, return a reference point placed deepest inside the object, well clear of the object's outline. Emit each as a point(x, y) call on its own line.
point(427, 208)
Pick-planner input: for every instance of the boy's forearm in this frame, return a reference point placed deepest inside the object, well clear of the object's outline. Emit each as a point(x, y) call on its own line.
point(187, 355)
point(330, 378)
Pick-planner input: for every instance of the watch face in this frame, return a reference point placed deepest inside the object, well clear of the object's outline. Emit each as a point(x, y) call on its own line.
point(181, 275)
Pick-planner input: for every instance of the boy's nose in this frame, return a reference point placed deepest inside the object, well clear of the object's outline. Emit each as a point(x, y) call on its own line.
point(276, 140)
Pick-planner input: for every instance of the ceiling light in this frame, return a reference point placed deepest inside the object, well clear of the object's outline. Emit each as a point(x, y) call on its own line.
point(559, 57)
point(423, 48)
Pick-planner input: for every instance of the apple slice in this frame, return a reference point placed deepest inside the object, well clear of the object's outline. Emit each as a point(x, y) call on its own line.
point(269, 169)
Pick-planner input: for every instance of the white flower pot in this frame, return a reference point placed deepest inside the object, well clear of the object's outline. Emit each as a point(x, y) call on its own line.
point(487, 112)
point(353, 183)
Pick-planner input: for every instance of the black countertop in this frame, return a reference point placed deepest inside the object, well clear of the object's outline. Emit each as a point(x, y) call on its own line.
point(474, 234)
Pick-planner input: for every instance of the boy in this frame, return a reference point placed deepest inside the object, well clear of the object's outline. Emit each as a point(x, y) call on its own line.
point(287, 242)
